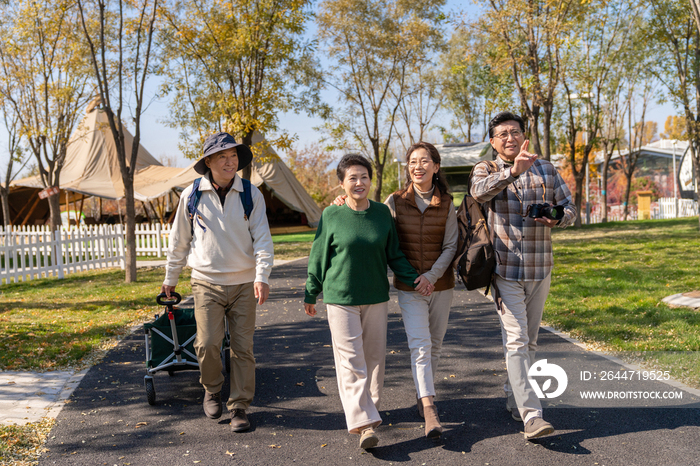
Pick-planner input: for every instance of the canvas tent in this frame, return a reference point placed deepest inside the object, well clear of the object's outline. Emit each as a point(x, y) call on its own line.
point(91, 168)
point(282, 190)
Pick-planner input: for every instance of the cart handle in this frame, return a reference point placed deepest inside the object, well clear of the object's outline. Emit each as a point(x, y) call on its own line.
point(163, 300)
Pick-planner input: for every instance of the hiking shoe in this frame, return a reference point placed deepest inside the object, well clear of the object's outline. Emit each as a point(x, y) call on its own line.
point(419, 405)
point(433, 429)
point(512, 408)
point(239, 421)
point(368, 439)
point(212, 405)
point(537, 427)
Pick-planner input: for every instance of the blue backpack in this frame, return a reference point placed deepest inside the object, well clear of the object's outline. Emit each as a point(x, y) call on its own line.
point(196, 194)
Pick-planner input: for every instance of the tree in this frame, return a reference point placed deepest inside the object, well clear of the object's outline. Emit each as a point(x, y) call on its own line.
point(526, 36)
point(474, 91)
point(590, 60)
point(374, 46)
point(637, 129)
point(674, 31)
point(612, 135)
point(44, 79)
point(422, 100)
point(676, 128)
point(120, 37)
point(310, 164)
point(235, 65)
point(15, 156)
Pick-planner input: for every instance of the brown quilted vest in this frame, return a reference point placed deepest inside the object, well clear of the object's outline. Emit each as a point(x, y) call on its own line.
point(421, 235)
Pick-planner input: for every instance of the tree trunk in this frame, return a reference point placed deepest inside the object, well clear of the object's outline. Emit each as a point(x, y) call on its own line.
point(247, 139)
point(628, 188)
point(535, 133)
point(578, 197)
point(130, 260)
point(55, 211)
point(604, 190)
point(546, 132)
point(5, 198)
point(379, 175)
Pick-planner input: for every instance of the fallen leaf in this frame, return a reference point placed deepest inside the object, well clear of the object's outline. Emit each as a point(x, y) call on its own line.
point(274, 446)
point(230, 453)
point(324, 445)
point(452, 376)
point(300, 384)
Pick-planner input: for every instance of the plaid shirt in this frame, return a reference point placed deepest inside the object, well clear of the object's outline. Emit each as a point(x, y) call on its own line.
point(523, 247)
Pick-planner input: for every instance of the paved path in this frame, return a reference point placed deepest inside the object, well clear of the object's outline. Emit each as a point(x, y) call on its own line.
point(30, 396)
point(297, 418)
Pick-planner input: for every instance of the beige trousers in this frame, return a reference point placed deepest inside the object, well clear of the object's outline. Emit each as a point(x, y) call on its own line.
point(425, 320)
point(213, 304)
point(523, 304)
point(359, 350)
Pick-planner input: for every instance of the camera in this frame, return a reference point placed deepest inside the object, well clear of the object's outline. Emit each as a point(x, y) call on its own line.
point(554, 212)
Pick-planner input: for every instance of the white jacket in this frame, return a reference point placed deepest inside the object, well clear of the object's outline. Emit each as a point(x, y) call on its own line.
point(233, 250)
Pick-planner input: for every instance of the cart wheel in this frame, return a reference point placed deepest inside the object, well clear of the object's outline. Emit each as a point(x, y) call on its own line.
point(227, 359)
point(150, 390)
point(171, 373)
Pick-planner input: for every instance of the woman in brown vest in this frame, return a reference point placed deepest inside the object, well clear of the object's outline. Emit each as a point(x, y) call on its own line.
point(427, 226)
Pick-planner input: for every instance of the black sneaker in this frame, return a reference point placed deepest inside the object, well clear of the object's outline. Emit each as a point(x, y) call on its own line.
point(212, 405)
point(537, 427)
point(239, 421)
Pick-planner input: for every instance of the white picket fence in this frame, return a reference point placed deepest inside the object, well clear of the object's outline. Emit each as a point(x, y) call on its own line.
point(27, 254)
point(667, 208)
point(152, 239)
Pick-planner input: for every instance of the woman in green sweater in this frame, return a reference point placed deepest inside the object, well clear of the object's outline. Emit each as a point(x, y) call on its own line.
point(354, 244)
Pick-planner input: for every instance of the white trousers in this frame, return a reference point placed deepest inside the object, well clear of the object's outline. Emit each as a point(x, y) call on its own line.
point(523, 304)
point(425, 320)
point(359, 350)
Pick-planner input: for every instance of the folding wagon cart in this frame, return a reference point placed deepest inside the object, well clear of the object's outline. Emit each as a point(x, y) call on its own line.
point(170, 342)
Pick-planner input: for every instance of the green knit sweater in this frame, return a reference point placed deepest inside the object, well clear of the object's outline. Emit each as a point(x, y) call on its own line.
point(349, 257)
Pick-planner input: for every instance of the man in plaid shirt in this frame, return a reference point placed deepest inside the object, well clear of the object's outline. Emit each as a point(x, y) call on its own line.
point(523, 249)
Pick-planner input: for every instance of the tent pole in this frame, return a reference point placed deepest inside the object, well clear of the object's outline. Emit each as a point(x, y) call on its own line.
point(82, 200)
point(29, 207)
point(145, 211)
point(158, 211)
point(172, 214)
point(31, 211)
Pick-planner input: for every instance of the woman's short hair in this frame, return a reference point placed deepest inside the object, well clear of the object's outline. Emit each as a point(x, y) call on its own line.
point(350, 160)
point(502, 118)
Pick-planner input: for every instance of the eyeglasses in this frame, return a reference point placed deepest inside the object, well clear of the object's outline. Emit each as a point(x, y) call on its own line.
point(423, 163)
point(516, 133)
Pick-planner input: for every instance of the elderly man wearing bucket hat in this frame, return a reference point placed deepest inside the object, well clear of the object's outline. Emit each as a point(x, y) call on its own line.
point(230, 253)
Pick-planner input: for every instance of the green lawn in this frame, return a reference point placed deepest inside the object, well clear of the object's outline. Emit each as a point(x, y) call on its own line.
point(609, 280)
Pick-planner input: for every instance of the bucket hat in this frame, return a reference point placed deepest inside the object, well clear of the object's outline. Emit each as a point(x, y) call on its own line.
point(222, 141)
